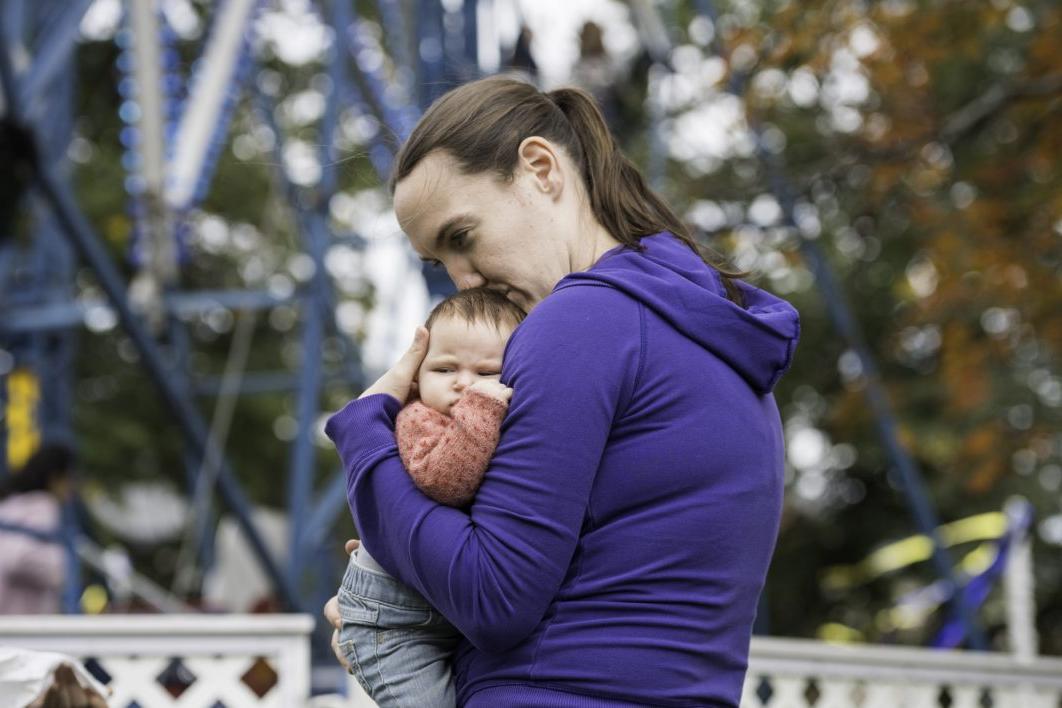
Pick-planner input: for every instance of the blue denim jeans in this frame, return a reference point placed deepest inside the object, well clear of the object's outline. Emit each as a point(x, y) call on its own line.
point(399, 647)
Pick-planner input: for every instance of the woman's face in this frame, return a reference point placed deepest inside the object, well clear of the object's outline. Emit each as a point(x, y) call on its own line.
point(511, 237)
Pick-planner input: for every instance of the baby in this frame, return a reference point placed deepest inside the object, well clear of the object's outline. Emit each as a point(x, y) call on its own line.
point(398, 645)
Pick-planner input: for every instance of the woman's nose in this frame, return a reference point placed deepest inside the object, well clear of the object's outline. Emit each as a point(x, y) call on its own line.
point(465, 278)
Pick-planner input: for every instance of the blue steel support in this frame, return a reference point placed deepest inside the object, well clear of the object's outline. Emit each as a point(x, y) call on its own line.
point(468, 11)
point(884, 420)
point(430, 52)
point(14, 21)
point(300, 475)
point(58, 48)
point(78, 230)
point(398, 119)
point(268, 382)
point(395, 29)
point(59, 315)
point(340, 80)
point(323, 512)
point(300, 487)
point(55, 350)
point(69, 533)
point(188, 418)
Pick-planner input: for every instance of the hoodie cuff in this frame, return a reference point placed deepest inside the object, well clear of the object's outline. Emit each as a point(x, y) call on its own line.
point(364, 426)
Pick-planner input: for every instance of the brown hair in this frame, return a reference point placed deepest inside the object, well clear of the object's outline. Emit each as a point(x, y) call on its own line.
point(478, 305)
point(482, 123)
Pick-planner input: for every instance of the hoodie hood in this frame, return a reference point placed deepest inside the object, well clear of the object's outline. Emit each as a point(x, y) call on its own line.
point(757, 341)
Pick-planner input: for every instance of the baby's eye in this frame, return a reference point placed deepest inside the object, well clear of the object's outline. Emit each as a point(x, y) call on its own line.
point(459, 240)
point(490, 373)
point(442, 370)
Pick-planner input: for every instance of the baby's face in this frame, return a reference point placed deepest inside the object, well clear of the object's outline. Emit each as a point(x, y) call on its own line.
point(459, 354)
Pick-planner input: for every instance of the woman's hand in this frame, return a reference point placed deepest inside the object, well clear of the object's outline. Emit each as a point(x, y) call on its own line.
point(331, 613)
point(398, 380)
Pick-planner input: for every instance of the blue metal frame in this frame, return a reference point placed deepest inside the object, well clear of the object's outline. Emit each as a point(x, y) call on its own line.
point(53, 56)
point(77, 229)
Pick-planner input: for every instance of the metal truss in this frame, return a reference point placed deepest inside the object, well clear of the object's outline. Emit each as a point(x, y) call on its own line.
point(175, 160)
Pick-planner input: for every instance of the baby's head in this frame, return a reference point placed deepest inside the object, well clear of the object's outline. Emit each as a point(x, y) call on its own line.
point(468, 332)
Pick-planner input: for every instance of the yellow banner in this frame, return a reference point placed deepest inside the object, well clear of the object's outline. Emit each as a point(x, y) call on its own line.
point(23, 401)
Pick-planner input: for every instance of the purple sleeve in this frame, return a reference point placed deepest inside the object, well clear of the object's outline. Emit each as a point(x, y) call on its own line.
point(494, 569)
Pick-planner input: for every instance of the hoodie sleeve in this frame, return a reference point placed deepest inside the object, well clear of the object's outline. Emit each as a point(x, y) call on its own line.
point(494, 569)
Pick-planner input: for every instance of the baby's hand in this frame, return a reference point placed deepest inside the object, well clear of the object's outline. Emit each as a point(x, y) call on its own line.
point(492, 388)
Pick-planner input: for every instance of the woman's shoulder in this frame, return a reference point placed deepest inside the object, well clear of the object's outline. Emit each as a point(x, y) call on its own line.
point(571, 295)
point(585, 308)
point(581, 317)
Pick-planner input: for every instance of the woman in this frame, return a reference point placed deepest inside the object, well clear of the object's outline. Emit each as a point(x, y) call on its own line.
point(32, 569)
point(615, 551)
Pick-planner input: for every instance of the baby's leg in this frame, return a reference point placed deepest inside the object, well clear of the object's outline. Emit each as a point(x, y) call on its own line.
point(398, 646)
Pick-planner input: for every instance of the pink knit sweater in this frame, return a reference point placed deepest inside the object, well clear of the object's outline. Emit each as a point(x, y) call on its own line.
point(447, 455)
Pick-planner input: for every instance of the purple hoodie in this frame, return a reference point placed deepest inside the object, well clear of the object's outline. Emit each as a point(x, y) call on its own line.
point(616, 550)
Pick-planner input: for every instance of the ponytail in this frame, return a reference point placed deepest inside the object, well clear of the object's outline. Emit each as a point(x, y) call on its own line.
point(482, 123)
point(619, 196)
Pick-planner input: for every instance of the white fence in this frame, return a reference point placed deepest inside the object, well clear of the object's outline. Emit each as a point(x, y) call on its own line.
point(263, 660)
point(795, 673)
point(183, 661)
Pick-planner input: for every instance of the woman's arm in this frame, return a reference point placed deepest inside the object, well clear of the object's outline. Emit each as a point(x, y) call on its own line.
point(494, 570)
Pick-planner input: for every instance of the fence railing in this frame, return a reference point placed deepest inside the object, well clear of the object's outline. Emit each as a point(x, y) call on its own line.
point(183, 661)
point(798, 673)
point(199, 661)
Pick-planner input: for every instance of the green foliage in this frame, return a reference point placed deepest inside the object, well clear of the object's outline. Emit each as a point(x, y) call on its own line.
point(922, 140)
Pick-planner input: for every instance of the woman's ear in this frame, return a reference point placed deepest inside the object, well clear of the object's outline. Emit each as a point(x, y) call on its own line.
point(537, 158)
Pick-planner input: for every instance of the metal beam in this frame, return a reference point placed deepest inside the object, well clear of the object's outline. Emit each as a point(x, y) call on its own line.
point(41, 317)
point(267, 382)
point(330, 502)
point(160, 263)
point(188, 418)
point(203, 116)
point(54, 54)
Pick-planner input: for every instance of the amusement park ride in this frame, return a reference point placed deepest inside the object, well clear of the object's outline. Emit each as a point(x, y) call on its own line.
point(172, 146)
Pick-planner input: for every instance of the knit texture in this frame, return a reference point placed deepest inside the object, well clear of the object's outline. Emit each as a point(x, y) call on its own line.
point(447, 455)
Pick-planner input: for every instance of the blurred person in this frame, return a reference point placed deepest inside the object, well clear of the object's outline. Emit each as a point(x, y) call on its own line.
point(620, 88)
point(522, 61)
point(45, 679)
point(596, 71)
point(32, 570)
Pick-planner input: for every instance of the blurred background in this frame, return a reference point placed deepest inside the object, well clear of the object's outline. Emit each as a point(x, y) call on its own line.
point(199, 262)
